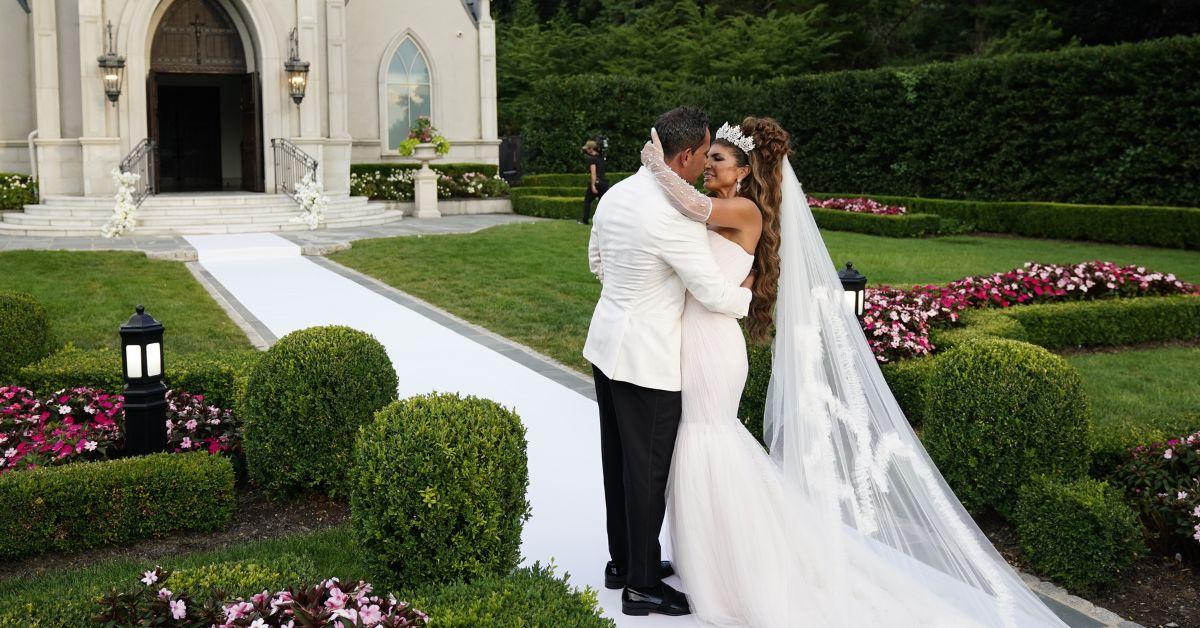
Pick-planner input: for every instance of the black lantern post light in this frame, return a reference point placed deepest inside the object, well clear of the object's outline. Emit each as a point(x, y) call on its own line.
point(297, 70)
point(145, 392)
point(855, 285)
point(112, 70)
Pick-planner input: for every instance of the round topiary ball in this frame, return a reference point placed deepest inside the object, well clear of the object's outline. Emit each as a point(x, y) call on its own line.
point(439, 491)
point(304, 402)
point(1000, 412)
point(24, 333)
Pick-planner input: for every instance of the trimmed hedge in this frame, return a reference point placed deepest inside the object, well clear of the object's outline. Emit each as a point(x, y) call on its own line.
point(24, 332)
point(115, 502)
point(449, 169)
point(1168, 227)
point(569, 180)
point(548, 207)
point(242, 578)
point(901, 226)
point(553, 192)
point(221, 378)
point(999, 412)
point(1103, 124)
point(532, 596)
point(1080, 534)
point(438, 491)
point(1101, 322)
point(304, 402)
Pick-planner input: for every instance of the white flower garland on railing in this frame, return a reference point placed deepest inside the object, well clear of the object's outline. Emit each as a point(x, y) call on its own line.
point(311, 196)
point(122, 218)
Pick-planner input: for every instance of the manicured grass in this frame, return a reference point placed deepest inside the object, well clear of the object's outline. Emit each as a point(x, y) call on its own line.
point(88, 295)
point(1151, 387)
point(530, 282)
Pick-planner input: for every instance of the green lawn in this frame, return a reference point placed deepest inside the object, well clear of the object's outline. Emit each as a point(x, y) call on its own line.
point(1148, 387)
point(529, 282)
point(88, 295)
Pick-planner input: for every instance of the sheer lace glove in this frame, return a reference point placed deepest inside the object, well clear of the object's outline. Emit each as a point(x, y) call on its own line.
point(682, 195)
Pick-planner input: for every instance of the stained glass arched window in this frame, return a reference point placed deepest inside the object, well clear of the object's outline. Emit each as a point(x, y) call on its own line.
point(408, 91)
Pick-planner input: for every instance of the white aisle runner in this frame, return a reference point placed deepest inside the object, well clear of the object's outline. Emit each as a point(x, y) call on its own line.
point(287, 292)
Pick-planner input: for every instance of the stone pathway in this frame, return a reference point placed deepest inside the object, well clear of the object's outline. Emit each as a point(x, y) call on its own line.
point(318, 242)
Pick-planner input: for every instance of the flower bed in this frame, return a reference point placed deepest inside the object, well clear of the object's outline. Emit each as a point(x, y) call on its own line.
point(1163, 481)
point(898, 321)
point(860, 205)
point(82, 424)
point(395, 183)
point(17, 190)
point(328, 603)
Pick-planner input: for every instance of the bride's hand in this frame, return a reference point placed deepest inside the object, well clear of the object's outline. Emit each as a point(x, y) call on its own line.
point(652, 153)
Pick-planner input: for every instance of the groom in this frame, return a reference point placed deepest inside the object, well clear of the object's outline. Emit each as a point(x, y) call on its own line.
point(647, 256)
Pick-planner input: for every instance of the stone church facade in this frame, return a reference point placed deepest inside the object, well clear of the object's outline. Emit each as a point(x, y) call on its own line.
point(205, 80)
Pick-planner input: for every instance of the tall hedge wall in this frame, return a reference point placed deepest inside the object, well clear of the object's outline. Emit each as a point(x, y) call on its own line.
point(1106, 124)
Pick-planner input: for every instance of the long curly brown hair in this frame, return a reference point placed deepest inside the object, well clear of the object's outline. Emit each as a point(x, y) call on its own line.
point(764, 186)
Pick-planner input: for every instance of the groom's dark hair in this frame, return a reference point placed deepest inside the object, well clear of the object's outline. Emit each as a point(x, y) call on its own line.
point(680, 129)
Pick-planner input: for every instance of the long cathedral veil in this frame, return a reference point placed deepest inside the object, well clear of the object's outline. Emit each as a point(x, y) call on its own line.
point(834, 427)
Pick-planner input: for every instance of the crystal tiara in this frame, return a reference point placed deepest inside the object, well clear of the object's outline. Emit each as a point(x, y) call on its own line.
point(733, 134)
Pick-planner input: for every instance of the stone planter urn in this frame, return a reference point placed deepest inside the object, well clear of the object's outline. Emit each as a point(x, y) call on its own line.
point(425, 192)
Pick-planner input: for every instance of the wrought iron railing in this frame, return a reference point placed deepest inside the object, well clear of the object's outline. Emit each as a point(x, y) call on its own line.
point(140, 161)
point(291, 166)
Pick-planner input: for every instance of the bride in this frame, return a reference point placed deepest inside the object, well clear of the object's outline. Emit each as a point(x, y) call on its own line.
point(846, 522)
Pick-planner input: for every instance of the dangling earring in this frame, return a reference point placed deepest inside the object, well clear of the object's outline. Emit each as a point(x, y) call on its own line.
point(737, 187)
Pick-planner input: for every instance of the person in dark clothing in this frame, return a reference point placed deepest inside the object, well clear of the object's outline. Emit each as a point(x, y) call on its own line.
point(598, 182)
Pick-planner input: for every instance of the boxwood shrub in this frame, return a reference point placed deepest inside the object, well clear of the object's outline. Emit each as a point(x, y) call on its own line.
point(999, 412)
point(577, 181)
point(898, 226)
point(438, 492)
point(532, 596)
point(553, 192)
point(1080, 534)
point(24, 333)
point(1111, 446)
point(220, 377)
point(304, 402)
point(115, 502)
point(548, 206)
point(1167, 227)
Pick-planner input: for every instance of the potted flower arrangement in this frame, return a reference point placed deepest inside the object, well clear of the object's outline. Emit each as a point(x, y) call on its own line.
point(424, 141)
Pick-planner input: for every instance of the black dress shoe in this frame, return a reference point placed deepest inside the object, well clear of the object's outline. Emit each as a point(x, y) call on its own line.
point(614, 578)
point(663, 600)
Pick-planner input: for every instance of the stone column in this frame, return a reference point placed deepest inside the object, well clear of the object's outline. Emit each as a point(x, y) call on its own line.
point(100, 151)
point(58, 161)
point(310, 138)
point(487, 72)
point(337, 148)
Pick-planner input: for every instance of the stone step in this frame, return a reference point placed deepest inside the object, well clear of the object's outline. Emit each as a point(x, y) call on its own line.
point(284, 205)
point(332, 222)
point(181, 200)
point(156, 219)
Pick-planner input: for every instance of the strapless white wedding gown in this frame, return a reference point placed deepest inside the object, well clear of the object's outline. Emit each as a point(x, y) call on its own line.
point(741, 542)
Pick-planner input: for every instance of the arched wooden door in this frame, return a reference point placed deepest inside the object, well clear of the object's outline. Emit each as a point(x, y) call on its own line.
point(203, 103)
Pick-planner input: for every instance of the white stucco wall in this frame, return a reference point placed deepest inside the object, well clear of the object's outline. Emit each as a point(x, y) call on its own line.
point(448, 36)
point(17, 117)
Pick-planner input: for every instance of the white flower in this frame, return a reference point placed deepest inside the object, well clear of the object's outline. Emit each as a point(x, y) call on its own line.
point(178, 609)
point(1168, 454)
point(1182, 495)
point(64, 409)
point(89, 445)
point(259, 623)
point(149, 578)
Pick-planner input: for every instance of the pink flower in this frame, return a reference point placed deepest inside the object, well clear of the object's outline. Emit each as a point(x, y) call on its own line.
point(187, 443)
point(370, 614)
point(1196, 512)
point(178, 609)
point(164, 593)
point(238, 610)
point(337, 599)
point(191, 424)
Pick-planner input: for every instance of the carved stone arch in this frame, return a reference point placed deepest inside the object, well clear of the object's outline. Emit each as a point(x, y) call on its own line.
point(197, 36)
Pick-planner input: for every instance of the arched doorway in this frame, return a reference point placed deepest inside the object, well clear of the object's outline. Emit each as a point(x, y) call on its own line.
point(203, 102)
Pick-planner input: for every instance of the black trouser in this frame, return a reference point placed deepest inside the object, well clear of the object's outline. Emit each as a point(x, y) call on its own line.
point(637, 438)
point(589, 198)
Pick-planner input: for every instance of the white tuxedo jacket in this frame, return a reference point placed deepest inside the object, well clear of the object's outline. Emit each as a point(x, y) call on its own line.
point(647, 257)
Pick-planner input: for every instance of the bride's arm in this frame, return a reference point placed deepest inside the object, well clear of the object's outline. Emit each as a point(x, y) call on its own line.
point(736, 213)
